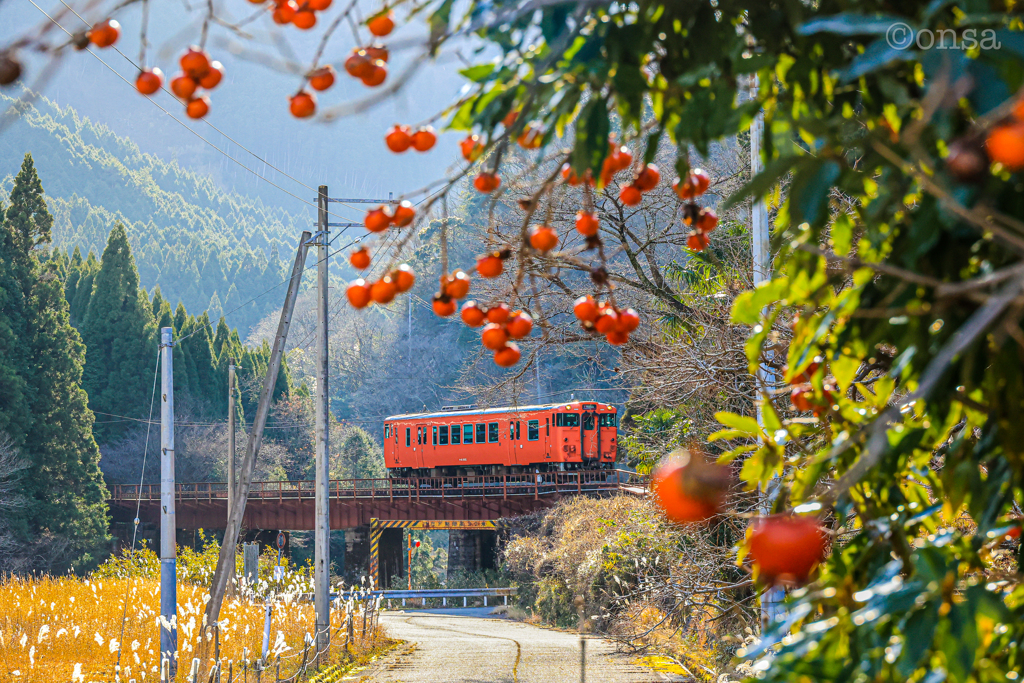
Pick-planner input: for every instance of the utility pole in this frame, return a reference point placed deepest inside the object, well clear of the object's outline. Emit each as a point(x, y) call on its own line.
point(168, 550)
point(760, 244)
point(231, 435)
point(226, 561)
point(322, 525)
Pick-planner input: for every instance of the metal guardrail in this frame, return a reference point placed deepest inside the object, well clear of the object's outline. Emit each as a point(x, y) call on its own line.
point(442, 594)
point(414, 488)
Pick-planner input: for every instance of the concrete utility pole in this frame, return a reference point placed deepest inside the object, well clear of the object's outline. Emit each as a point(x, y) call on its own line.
point(760, 243)
point(322, 526)
point(168, 550)
point(226, 561)
point(231, 435)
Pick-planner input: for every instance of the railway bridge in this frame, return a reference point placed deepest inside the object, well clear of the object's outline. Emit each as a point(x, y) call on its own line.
point(458, 503)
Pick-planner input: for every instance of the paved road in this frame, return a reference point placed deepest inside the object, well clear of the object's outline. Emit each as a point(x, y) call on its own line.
point(471, 646)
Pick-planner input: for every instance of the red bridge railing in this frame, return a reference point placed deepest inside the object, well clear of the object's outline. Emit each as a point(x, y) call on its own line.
point(414, 488)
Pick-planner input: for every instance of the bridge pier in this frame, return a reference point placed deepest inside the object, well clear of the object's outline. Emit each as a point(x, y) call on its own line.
point(471, 550)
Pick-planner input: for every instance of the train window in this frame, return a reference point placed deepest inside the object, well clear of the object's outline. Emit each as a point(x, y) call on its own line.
point(606, 420)
point(408, 436)
point(567, 420)
point(387, 431)
point(547, 426)
point(467, 433)
point(511, 431)
point(456, 435)
point(443, 441)
point(533, 430)
point(419, 436)
point(481, 432)
point(588, 420)
point(492, 432)
point(517, 430)
point(435, 436)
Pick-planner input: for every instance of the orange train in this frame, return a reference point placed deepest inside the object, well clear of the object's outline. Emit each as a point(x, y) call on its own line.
point(557, 436)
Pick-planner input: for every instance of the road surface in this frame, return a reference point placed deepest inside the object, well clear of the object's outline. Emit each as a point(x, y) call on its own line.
point(472, 646)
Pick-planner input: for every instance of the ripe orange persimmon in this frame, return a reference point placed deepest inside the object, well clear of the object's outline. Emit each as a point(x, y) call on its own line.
point(530, 138)
point(213, 76)
point(607, 320)
point(494, 336)
point(698, 241)
point(105, 33)
point(498, 314)
point(617, 337)
point(444, 306)
point(149, 81)
point(490, 265)
point(693, 185)
point(403, 214)
point(648, 178)
point(382, 24)
point(198, 107)
point(628, 321)
point(630, 195)
point(302, 104)
point(195, 62)
point(688, 489)
point(800, 397)
point(183, 86)
point(318, 5)
point(377, 220)
point(456, 285)
point(472, 315)
point(585, 309)
point(519, 325)
point(706, 221)
point(285, 12)
point(358, 293)
point(587, 223)
point(398, 138)
point(487, 182)
point(376, 52)
point(508, 355)
point(304, 19)
point(378, 72)
point(358, 65)
point(471, 148)
point(424, 139)
point(360, 258)
point(323, 78)
point(1005, 145)
point(403, 277)
point(383, 290)
point(786, 548)
point(569, 175)
point(543, 238)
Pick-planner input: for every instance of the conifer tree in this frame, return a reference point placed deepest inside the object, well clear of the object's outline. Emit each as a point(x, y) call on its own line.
point(119, 334)
point(43, 407)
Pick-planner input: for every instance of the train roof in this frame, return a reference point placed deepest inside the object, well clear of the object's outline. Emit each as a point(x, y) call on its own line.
point(490, 411)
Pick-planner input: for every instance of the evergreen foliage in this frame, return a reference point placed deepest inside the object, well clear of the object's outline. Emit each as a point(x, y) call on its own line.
point(43, 408)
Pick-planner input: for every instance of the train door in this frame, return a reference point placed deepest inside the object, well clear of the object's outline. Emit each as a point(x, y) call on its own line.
point(607, 423)
point(588, 433)
point(421, 445)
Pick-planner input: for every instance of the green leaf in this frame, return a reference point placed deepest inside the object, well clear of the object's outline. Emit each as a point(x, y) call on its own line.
point(844, 369)
point(478, 73)
point(918, 633)
point(741, 423)
point(591, 136)
point(849, 24)
point(746, 309)
point(761, 184)
point(811, 189)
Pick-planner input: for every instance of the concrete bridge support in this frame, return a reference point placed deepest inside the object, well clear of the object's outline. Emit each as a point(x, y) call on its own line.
point(471, 550)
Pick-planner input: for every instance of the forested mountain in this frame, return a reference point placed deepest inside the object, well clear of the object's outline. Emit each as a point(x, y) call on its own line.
point(207, 248)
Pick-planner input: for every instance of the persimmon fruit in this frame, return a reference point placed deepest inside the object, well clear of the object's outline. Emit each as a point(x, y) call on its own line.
point(149, 81)
point(472, 315)
point(648, 178)
point(630, 195)
point(494, 336)
point(105, 33)
point(398, 139)
point(697, 241)
point(383, 290)
point(585, 309)
point(213, 76)
point(628, 320)
point(195, 62)
point(377, 74)
point(382, 24)
point(489, 266)
point(403, 277)
point(376, 52)
point(687, 488)
point(360, 258)
point(498, 314)
point(285, 12)
point(424, 139)
point(358, 65)
point(183, 86)
point(693, 185)
point(543, 238)
point(358, 293)
point(377, 220)
point(471, 148)
point(443, 305)
point(519, 325)
point(706, 220)
point(1005, 145)
point(508, 355)
point(607, 320)
point(587, 223)
point(786, 548)
point(302, 105)
point(403, 214)
point(486, 182)
point(304, 19)
point(321, 79)
point(198, 107)
point(617, 337)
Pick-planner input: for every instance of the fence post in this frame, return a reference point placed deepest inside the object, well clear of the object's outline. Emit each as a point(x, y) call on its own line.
point(231, 670)
point(583, 660)
point(277, 670)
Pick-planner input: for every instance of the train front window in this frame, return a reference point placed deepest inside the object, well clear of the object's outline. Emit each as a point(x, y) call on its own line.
point(533, 430)
point(408, 436)
point(567, 420)
point(481, 433)
point(467, 433)
point(456, 435)
point(387, 431)
point(443, 441)
point(492, 432)
point(606, 420)
point(435, 436)
point(588, 420)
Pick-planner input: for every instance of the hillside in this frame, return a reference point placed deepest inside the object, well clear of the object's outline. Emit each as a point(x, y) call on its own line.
point(189, 236)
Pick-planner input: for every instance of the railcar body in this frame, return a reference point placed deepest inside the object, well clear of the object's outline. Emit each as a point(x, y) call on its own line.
point(557, 436)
